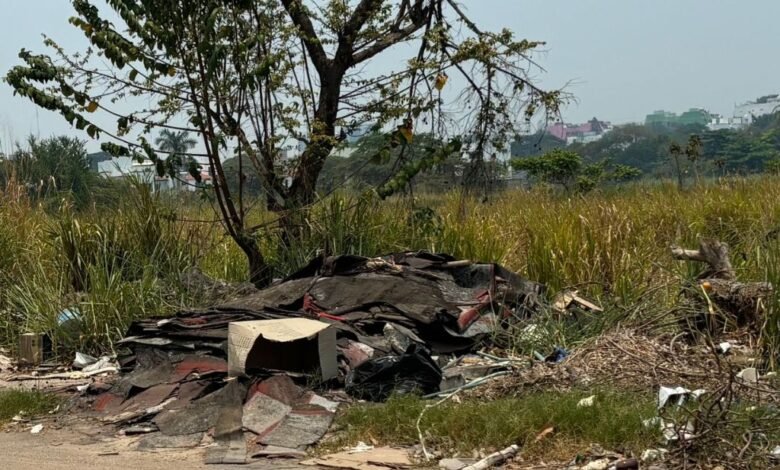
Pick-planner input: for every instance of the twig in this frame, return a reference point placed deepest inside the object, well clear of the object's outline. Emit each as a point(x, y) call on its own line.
point(449, 394)
point(495, 458)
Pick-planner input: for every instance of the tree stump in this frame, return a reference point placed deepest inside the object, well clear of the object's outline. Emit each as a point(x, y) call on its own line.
point(745, 302)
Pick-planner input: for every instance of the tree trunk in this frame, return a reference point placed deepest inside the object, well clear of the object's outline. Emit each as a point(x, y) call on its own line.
point(746, 302)
point(680, 184)
point(259, 272)
point(303, 189)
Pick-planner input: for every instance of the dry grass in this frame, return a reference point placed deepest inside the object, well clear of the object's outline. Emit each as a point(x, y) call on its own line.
point(613, 244)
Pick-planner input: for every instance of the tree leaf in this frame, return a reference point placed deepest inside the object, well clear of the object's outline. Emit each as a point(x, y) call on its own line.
point(92, 107)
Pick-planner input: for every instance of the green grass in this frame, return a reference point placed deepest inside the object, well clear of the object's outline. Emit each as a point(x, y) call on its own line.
point(614, 420)
point(27, 403)
point(612, 244)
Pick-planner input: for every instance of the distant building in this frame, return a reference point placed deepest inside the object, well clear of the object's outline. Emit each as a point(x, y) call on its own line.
point(590, 131)
point(719, 123)
point(694, 116)
point(764, 105)
point(145, 172)
point(745, 113)
point(661, 118)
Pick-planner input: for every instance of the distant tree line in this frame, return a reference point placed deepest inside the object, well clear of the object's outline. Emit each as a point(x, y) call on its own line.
point(661, 151)
point(52, 167)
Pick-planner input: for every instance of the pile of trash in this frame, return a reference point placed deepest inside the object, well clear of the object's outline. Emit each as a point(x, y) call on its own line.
point(374, 327)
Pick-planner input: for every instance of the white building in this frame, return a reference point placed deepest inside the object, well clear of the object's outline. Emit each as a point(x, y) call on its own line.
point(762, 106)
point(719, 123)
point(145, 172)
point(745, 113)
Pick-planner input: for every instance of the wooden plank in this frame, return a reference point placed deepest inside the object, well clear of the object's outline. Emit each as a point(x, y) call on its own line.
point(31, 349)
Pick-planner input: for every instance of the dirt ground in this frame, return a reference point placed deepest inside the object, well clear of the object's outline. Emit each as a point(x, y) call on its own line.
point(72, 450)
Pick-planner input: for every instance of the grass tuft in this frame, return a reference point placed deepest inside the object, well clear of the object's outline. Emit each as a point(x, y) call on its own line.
point(27, 403)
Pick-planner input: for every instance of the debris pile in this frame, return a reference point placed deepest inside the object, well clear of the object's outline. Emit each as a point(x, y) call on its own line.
point(625, 358)
point(374, 326)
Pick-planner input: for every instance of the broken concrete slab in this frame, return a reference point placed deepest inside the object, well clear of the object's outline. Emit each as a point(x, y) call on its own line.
point(161, 441)
point(302, 427)
point(229, 449)
point(262, 412)
point(274, 452)
point(198, 416)
point(280, 388)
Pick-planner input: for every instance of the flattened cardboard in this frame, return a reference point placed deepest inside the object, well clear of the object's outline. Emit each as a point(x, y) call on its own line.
point(289, 344)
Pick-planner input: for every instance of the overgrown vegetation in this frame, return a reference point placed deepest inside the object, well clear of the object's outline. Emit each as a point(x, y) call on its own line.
point(25, 403)
point(124, 263)
point(249, 77)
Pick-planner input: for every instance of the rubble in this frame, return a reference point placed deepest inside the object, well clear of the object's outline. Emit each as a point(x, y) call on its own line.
point(382, 458)
point(377, 326)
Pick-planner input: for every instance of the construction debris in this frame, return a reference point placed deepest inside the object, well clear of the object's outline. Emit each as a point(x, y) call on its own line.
point(567, 300)
point(495, 458)
point(289, 344)
point(381, 458)
point(372, 325)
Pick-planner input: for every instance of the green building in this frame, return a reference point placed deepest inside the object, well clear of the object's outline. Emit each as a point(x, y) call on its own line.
point(694, 116)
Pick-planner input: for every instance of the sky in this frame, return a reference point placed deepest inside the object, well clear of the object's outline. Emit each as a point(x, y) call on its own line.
point(621, 59)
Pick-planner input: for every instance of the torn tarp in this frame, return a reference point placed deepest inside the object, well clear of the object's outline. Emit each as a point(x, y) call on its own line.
point(447, 304)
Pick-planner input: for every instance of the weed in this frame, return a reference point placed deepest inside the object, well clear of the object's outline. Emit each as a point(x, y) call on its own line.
point(28, 403)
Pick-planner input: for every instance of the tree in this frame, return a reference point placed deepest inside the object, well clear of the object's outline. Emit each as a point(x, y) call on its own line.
point(50, 167)
point(557, 166)
point(676, 152)
point(250, 76)
point(693, 152)
point(567, 168)
point(368, 165)
point(177, 145)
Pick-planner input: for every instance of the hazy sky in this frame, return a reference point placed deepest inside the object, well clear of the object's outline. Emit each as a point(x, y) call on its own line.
point(621, 58)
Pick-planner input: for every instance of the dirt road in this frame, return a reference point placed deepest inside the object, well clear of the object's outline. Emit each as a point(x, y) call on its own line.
point(60, 450)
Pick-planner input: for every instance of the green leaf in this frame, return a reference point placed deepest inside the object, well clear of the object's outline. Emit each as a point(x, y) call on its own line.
point(133, 75)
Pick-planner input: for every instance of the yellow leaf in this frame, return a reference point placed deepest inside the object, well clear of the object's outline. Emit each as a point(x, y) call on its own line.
point(441, 80)
point(92, 107)
point(171, 71)
point(407, 133)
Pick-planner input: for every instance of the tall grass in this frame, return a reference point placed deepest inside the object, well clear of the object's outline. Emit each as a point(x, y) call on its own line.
point(613, 245)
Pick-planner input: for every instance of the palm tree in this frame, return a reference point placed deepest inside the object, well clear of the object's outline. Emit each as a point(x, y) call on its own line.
point(178, 144)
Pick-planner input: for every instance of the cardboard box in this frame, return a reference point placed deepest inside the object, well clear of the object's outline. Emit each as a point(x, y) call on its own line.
point(289, 344)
